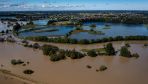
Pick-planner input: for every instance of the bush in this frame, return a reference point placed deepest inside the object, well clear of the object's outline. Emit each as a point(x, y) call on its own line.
point(145, 45)
point(74, 54)
point(127, 45)
point(92, 53)
point(93, 25)
point(125, 52)
point(88, 66)
point(38, 38)
point(109, 49)
point(49, 49)
point(135, 55)
point(35, 46)
point(57, 57)
point(28, 71)
point(102, 68)
point(85, 41)
point(16, 62)
point(2, 39)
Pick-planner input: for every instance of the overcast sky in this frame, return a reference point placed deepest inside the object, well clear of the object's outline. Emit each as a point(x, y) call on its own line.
point(33, 5)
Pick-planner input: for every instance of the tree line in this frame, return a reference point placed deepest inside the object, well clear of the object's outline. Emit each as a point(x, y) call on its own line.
point(85, 41)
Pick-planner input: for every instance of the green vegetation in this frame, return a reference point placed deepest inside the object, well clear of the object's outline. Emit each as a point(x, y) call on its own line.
point(101, 51)
point(102, 68)
point(119, 19)
point(109, 49)
point(51, 22)
point(16, 27)
point(48, 30)
point(145, 45)
point(57, 54)
point(57, 57)
point(127, 45)
point(107, 27)
point(49, 49)
point(96, 32)
point(38, 38)
point(30, 23)
point(85, 41)
point(35, 46)
point(73, 54)
point(28, 71)
point(135, 55)
point(88, 66)
point(2, 39)
point(93, 25)
point(16, 62)
point(125, 52)
point(92, 53)
point(79, 28)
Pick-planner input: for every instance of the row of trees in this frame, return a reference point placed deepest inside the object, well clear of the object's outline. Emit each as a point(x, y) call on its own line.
point(57, 54)
point(85, 41)
point(126, 53)
point(119, 19)
point(108, 49)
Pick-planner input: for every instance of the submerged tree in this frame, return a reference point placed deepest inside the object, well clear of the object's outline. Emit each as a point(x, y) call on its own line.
point(125, 52)
point(109, 49)
point(92, 53)
point(16, 27)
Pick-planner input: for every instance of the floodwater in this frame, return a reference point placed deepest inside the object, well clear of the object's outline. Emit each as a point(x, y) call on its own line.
point(120, 70)
point(113, 31)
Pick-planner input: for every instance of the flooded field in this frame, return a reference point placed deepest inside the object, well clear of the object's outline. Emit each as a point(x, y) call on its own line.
point(120, 70)
point(113, 30)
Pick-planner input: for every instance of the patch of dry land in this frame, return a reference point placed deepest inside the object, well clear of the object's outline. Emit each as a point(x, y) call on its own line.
point(120, 70)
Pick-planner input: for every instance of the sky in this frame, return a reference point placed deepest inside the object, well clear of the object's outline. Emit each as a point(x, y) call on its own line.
point(47, 5)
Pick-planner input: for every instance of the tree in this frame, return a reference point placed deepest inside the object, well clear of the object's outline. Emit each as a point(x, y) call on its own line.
point(125, 52)
point(109, 49)
point(103, 68)
point(93, 26)
point(30, 23)
point(36, 46)
point(49, 49)
point(28, 71)
point(92, 53)
point(16, 27)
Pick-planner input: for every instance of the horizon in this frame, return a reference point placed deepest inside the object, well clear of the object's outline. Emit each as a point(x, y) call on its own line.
point(73, 5)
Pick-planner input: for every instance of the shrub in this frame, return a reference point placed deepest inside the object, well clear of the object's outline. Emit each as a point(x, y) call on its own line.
point(145, 45)
point(109, 49)
point(84, 41)
point(125, 52)
point(127, 45)
point(28, 71)
point(93, 25)
point(35, 46)
point(16, 62)
point(88, 66)
point(102, 68)
point(75, 55)
point(49, 49)
point(57, 57)
point(92, 53)
point(135, 55)
point(2, 40)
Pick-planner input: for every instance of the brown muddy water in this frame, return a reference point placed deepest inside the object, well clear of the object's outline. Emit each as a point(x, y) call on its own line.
point(120, 70)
